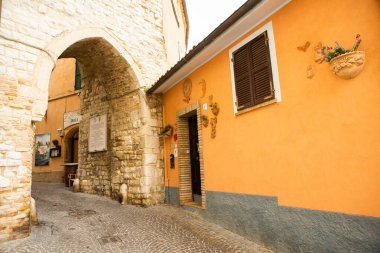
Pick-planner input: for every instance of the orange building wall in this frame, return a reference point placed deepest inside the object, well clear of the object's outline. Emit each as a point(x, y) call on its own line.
point(320, 147)
point(61, 83)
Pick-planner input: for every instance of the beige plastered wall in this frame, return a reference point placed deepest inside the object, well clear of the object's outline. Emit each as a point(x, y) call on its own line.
point(174, 28)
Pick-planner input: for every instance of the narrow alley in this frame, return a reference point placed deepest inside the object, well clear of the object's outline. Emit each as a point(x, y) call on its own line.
point(78, 222)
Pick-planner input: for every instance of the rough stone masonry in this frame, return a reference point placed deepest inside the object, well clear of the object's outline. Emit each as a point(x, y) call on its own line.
point(120, 48)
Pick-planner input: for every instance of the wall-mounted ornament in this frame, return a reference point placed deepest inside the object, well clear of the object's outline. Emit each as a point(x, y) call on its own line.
point(213, 127)
point(187, 86)
point(167, 131)
point(310, 71)
point(205, 120)
point(345, 63)
point(304, 47)
point(203, 84)
point(210, 99)
point(318, 56)
point(214, 108)
point(348, 66)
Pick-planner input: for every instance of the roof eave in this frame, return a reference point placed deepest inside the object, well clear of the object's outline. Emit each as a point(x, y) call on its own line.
point(249, 15)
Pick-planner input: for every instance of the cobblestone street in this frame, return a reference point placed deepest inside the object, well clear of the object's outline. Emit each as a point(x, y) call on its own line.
point(77, 222)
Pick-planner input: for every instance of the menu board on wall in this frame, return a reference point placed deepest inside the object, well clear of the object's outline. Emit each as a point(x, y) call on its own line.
point(97, 140)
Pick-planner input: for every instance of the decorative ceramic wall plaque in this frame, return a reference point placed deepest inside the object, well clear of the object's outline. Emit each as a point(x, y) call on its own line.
point(309, 71)
point(304, 47)
point(318, 56)
point(187, 86)
point(97, 140)
point(213, 127)
point(203, 84)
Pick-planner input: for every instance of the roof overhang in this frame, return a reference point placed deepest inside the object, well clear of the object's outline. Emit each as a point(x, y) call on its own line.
point(248, 16)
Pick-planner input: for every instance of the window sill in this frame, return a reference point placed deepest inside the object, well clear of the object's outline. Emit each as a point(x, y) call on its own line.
point(255, 107)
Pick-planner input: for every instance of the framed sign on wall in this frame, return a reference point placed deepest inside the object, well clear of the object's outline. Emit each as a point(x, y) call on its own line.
point(42, 149)
point(97, 140)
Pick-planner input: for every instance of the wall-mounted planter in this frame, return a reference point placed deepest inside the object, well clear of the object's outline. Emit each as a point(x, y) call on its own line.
point(215, 111)
point(348, 66)
point(167, 131)
point(205, 122)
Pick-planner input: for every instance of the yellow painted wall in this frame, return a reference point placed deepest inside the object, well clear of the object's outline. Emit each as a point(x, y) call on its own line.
point(61, 83)
point(320, 147)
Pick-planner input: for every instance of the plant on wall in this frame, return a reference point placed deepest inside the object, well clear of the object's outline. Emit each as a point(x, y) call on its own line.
point(345, 63)
point(339, 50)
point(205, 120)
point(214, 108)
point(167, 131)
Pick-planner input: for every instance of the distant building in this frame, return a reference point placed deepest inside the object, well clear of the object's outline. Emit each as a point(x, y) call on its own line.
point(61, 122)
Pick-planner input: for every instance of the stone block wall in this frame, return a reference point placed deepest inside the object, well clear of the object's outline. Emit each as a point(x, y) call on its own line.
point(16, 143)
point(32, 36)
point(133, 121)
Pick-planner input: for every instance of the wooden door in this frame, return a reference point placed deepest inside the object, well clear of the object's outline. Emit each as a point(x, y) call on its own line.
point(194, 155)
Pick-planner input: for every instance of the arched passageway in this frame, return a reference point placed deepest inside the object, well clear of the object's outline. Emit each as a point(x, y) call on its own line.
point(112, 86)
point(128, 139)
point(112, 90)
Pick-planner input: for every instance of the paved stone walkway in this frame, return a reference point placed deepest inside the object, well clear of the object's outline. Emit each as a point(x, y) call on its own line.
point(77, 222)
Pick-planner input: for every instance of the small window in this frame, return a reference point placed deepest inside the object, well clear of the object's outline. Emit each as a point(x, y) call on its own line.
point(255, 80)
point(253, 74)
point(77, 77)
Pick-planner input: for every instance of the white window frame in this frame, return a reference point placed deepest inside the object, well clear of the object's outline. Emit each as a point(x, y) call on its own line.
point(273, 60)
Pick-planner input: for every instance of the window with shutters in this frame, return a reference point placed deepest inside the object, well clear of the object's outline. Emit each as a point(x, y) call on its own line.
point(77, 77)
point(254, 84)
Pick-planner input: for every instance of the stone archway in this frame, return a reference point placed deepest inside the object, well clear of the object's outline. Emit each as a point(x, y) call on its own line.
point(112, 85)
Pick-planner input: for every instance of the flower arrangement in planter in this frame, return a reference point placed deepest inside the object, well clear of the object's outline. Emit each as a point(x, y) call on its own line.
point(345, 63)
point(167, 131)
point(214, 108)
point(205, 120)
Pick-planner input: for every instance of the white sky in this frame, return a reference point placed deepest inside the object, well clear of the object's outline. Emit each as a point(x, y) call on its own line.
point(205, 15)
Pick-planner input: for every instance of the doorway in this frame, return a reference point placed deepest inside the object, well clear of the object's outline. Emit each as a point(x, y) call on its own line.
point(71, 143)
point(190, 157)
point(194, 159)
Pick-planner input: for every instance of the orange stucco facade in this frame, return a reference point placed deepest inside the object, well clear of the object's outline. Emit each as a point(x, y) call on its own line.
point(62, 98)
point(319, 148)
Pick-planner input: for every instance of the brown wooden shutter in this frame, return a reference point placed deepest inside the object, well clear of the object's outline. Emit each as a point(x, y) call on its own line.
point(243, 87)
point(261, 72)
point(253, 74)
